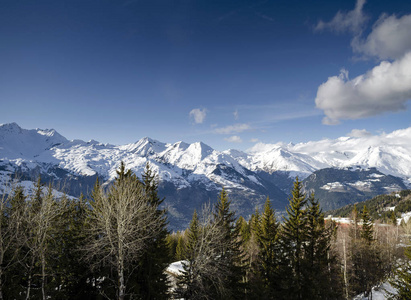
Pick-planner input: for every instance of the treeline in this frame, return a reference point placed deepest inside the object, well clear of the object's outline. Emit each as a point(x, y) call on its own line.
point(378, 206)
point(115, 245)
point(111, 246)
point(304, 257)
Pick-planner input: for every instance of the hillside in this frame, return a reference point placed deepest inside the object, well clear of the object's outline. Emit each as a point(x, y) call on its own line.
point(379, 207)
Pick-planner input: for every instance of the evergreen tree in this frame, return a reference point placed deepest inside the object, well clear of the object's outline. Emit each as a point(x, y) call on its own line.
point(322, 280)
point(267, 237)
point(366, 261)
point(180, 248)
point(293, 237)
point(249, 245)
point(13, 210)
point(151, 278)
point(354, 228)
point(71, 277)
point(230, 255)
point(367, 230)
point(190, 281)
point(192, 237)
point(244, 230)
point(401, 280)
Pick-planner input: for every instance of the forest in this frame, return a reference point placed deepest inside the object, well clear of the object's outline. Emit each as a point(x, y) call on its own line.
point(115, 244)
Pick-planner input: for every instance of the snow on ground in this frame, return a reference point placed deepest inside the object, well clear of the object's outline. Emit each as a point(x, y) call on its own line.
point(404, 217)
point(378, 293)
point(176, 268)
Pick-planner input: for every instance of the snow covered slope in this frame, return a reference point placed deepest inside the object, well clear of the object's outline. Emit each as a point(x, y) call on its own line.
point(389, 153)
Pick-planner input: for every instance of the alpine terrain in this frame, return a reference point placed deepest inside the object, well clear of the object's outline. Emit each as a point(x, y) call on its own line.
point(339, 172)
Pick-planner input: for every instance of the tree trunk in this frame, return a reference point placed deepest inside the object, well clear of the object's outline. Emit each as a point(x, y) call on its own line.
point(1, 283)
point(122, 287)
point(30, 279)
point(345, 269)
point(120, 270)
point(43, 276)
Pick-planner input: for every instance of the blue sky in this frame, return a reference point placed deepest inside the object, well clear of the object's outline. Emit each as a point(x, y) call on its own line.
point(228, 73)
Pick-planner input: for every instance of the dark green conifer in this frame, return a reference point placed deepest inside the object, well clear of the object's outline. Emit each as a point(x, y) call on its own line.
point(322, 280)
point(269, 251)
point(244, 230)
point(367, 230)
point(401, 280)
point(153, 282)
point(180, 249)
point(191, 278)
point(230, 257)
point(293, 237)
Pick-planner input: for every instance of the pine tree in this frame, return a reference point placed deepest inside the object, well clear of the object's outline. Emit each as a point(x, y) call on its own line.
point(152, 280)
point(267, 237)
point(322, 280)
point(13, 210)
point(354, 228)
point(367, 230)
point(71, 277)
point(366, 258)
point(293, 237)
point(190, 281)
point(401, 280)
point(192, 237)
point(180, 249)
point(230, 255)
point(244, 229)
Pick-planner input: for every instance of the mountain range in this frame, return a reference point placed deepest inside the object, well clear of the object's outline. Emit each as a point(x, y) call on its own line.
point(339, 171)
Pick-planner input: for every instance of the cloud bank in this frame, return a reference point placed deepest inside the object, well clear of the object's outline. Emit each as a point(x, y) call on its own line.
point(387, 87)
point(390, 38)
point(384, 88)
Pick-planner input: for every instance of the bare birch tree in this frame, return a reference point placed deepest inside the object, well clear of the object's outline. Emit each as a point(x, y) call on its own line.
point(42, 212)
point(121, 223)
point(203, 276)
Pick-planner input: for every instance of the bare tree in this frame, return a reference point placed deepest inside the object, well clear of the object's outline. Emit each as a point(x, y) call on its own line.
point(122, 221)
point(42, 212)
point(204, 277)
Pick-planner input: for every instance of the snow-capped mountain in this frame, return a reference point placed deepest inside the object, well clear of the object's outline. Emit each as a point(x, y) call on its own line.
point(191, 174)
point(389, 153)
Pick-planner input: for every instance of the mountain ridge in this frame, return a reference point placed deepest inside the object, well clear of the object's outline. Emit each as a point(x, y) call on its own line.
point(192, 169)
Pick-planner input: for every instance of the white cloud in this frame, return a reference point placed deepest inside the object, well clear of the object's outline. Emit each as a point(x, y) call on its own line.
point(235, 114)
point(352, 20)
point(236, 128)
point(198, 115)
point(254, 140)
point(358, 133)
point(389, 39)
point(387, 87)
point(234, 139)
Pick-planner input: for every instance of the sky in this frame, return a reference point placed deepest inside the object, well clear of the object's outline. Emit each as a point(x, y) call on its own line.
point(229, 73)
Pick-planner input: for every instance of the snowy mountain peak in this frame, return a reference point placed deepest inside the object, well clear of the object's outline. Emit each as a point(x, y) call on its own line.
point(145, 147)
point(200, 149)
point(16, 142)
point(10, 128)
point(389, 153)
point(180, 145)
